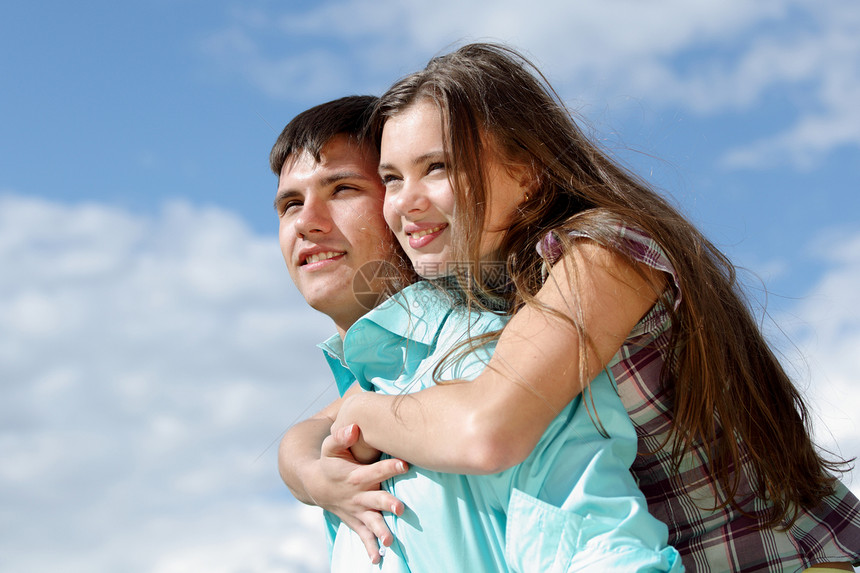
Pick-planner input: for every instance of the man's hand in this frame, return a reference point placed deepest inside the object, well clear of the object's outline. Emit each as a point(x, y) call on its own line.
point(351, 489)
point(343, 427)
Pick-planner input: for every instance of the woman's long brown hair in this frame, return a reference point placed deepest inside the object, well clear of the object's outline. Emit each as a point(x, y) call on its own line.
point(729, 391)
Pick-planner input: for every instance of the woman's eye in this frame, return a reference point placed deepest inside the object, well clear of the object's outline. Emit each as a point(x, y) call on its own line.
point(388, 179)
point(435, 167)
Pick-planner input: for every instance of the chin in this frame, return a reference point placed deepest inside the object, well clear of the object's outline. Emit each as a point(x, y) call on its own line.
point(431, 269)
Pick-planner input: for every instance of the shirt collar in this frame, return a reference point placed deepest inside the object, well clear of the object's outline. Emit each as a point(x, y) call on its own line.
point(415, 313)
point(333, 353)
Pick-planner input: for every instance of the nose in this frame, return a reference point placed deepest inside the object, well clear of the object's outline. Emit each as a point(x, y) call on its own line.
point(410, 199)
point(314, 217)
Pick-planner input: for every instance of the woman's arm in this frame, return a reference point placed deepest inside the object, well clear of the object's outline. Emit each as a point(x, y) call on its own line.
point(493, 422)
point(319, 469)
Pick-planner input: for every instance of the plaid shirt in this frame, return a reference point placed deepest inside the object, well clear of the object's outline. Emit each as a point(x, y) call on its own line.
point(709, 539)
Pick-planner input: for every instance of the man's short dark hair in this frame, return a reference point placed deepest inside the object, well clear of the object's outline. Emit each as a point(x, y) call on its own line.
point(312, 129)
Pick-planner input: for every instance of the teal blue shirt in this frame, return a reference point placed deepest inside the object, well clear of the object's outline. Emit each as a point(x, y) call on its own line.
point(572, 505)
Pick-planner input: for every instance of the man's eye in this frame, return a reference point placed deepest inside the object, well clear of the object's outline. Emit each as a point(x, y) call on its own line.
point(288, 206)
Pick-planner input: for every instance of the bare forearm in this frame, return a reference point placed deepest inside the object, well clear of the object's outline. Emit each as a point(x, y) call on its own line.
point(494, 421)
point(298, 451)
point(450, 428)
point(320, 470)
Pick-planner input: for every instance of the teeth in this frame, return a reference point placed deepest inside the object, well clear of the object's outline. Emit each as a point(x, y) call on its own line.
point(321, 257)
point(420, 234)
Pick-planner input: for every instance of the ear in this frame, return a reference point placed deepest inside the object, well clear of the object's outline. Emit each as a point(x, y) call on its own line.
point(529, 182)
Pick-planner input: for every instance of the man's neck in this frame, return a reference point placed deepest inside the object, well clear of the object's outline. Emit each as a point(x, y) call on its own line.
point(342, 330)
point(344, 322)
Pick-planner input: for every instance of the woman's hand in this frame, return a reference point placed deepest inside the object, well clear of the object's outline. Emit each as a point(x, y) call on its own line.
point(493, 422)
point(351, 489)
point(316, 464)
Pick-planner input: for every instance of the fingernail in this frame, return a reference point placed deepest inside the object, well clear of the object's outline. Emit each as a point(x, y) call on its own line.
point(401, 467)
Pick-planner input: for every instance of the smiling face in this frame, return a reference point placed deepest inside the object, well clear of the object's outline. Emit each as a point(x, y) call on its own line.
point(419, 199)
point(331, 226)
point(419, 202)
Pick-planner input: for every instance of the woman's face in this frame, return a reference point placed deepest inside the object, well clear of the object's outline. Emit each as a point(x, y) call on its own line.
point(419, 200)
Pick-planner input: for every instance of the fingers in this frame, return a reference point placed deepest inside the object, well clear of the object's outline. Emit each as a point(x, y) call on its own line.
point(372, 530)
point(371, 546)
point(380, 500)
point(368, 539)
point(339, 443)
point(348, 435)
point(378, 472)
point(376, 524)
point(353, 492)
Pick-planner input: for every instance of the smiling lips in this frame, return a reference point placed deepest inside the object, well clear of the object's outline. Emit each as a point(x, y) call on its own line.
point(420, 234)
point(317, 257)
point(420, 238)
point(417, 240)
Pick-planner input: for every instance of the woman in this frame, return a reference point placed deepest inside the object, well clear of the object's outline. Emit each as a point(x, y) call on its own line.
point(576, 480)
point(604, 273)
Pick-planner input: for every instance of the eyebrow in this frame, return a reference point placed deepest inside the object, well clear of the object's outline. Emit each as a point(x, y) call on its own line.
point(429, 156)
point(325, 182)
point(282, 196)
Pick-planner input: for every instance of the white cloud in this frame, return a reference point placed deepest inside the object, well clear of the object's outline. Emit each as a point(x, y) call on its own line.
point(380, 41)
point(821, 65)
point(825, 326)
point(147, 366)
point(710, 57)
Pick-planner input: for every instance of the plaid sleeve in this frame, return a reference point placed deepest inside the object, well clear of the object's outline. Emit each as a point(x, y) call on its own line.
point(637, 244)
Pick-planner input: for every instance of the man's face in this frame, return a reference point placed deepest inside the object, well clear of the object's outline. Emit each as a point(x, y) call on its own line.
point(331, 225)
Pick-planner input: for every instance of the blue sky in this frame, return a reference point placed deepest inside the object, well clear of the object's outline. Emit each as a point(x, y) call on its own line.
point(151, 346)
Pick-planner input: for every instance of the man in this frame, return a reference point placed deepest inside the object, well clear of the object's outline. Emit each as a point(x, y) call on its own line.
point(329, 204)
point(332, 232)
